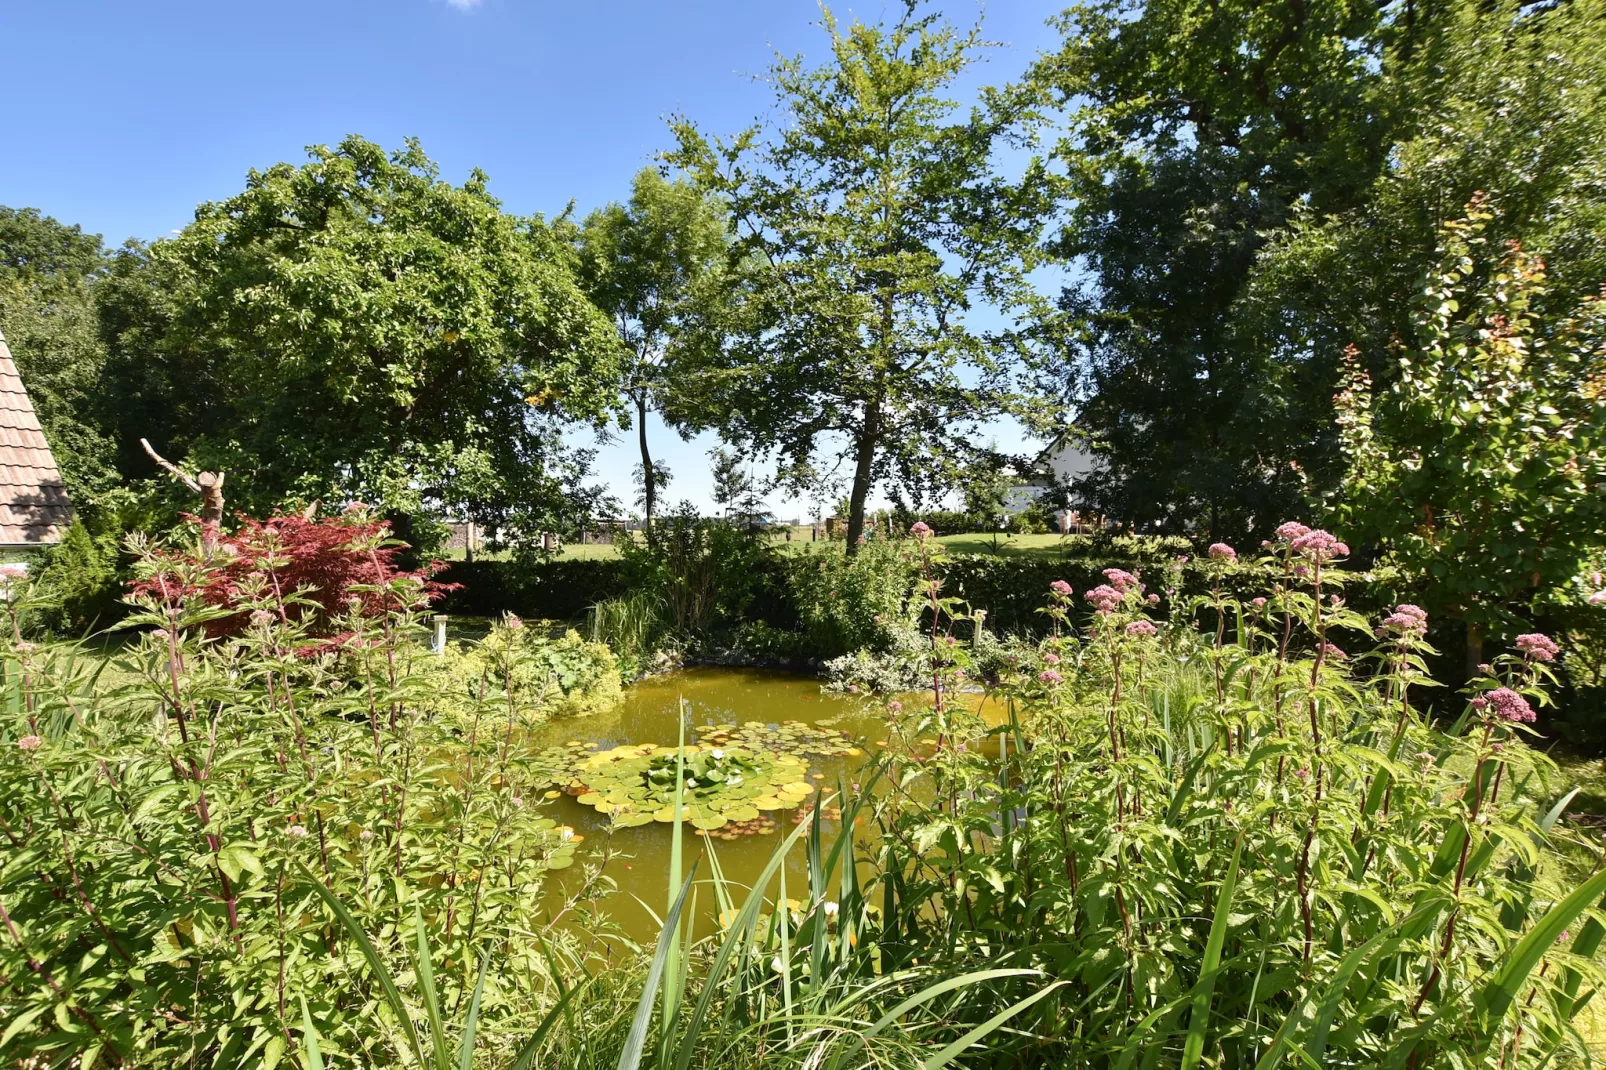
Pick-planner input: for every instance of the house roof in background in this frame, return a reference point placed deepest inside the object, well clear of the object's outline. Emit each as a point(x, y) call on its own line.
point(34, 510)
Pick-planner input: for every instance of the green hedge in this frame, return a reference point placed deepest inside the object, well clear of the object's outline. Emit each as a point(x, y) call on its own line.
point(555, 590)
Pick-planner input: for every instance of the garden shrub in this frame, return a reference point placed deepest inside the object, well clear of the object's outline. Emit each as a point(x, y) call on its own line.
point(167, 834)
point(563, 589)
point(708, 574)
point(851, 603)
point(532, 674)
point(79, 579)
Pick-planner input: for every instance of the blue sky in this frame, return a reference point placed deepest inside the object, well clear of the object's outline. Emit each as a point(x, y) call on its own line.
point(123, 116)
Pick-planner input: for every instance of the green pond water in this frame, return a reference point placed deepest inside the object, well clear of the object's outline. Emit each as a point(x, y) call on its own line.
point(649, 713)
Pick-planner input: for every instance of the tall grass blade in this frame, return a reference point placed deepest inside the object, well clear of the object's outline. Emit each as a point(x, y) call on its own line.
point(311, 1057)
point(432, 1004)
point(1501, 991)
point(1199, 1020)
point(952, 1051)
point(387, 984)
point(465, 1046)
point(636, 1042)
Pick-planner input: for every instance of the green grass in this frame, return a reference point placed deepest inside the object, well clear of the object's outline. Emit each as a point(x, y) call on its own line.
point(1006, 545)
point(972, 543)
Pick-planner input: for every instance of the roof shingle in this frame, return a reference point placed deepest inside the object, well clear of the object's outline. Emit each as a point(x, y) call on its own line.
point(34, 510)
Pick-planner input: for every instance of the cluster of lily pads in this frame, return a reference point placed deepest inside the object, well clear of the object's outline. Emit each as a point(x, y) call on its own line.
point(734, 776)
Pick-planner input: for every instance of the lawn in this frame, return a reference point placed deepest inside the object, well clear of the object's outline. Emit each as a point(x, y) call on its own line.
point(972, 543)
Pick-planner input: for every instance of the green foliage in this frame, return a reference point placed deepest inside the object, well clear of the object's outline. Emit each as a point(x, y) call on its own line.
point(80, 581)
point(355, 327)
point(33, 245)
point(706, 574)
point(869, 220)
point(49, 319)
point(852, 602)
point(1193, 135)
point(653, 266)
point(630, 625)
point(1479, 466)
point(1256, 186)
point(531, 674)
point(198, 807)
point(560, 589)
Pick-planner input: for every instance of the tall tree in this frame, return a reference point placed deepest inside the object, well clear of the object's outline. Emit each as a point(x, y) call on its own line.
point(649, 264)
point(48, 316)
point(874, 219)
point(355, 326)
point(1479, 469)
point(1194, 131)
point(1516, 94)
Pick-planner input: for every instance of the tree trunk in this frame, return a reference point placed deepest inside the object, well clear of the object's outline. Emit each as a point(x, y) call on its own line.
point(649, 482)
point(869, 437)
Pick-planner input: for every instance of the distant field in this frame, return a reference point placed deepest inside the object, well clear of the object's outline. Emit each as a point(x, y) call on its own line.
point(975, 543)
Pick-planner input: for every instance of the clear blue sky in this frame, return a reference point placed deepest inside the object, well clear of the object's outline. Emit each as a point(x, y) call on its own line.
point(123, 116)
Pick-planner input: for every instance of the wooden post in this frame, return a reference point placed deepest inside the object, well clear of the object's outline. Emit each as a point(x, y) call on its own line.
point(209, 485)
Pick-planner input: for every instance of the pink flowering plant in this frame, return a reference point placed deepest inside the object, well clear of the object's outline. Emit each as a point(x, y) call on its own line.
point(1381, 865)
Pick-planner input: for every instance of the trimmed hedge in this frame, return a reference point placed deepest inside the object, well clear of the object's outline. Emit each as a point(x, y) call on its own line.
point(553, 590)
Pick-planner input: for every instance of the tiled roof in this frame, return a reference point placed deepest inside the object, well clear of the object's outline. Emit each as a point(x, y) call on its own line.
point(34, 510)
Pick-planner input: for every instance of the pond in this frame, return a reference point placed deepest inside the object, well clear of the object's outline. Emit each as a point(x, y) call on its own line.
point(649, 713)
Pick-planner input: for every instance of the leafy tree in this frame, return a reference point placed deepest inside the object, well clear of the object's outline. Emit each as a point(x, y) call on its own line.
point(649, 264)
point(987, 487)
point(649, 479)
point(357, 327)
point(48, 316)
point(1254, 186)
point(1516, 98)
point(1193, 132)
point(35, 244)
point(874, 218)
point(736, 492)
point(1480, 467)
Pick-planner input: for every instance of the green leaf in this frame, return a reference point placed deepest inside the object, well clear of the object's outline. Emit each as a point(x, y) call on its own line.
point(311, 1057)
point(1199, 1020)
point(236, 858)
point(636, 1041)
point(1501, 991)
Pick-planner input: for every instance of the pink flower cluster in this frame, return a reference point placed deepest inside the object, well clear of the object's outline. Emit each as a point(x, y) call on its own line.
point(1291, 530)
point(1537, 647)
point(1598, 598)
point(1220, 551)
point(1122, 580)
point(1331, 651)
point(1141, 627)
point(30, 743)
point(1051, 658)
point(1407, 620)
point(1105, 598)
point(1061, 588)
point(920, 529)
point(1319, 546)
point(1507, 705)
point(1049, 676)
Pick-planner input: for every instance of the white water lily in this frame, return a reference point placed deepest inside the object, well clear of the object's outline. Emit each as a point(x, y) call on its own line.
point(717, 753)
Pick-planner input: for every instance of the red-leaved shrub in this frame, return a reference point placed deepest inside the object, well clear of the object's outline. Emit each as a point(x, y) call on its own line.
point(310, 571)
